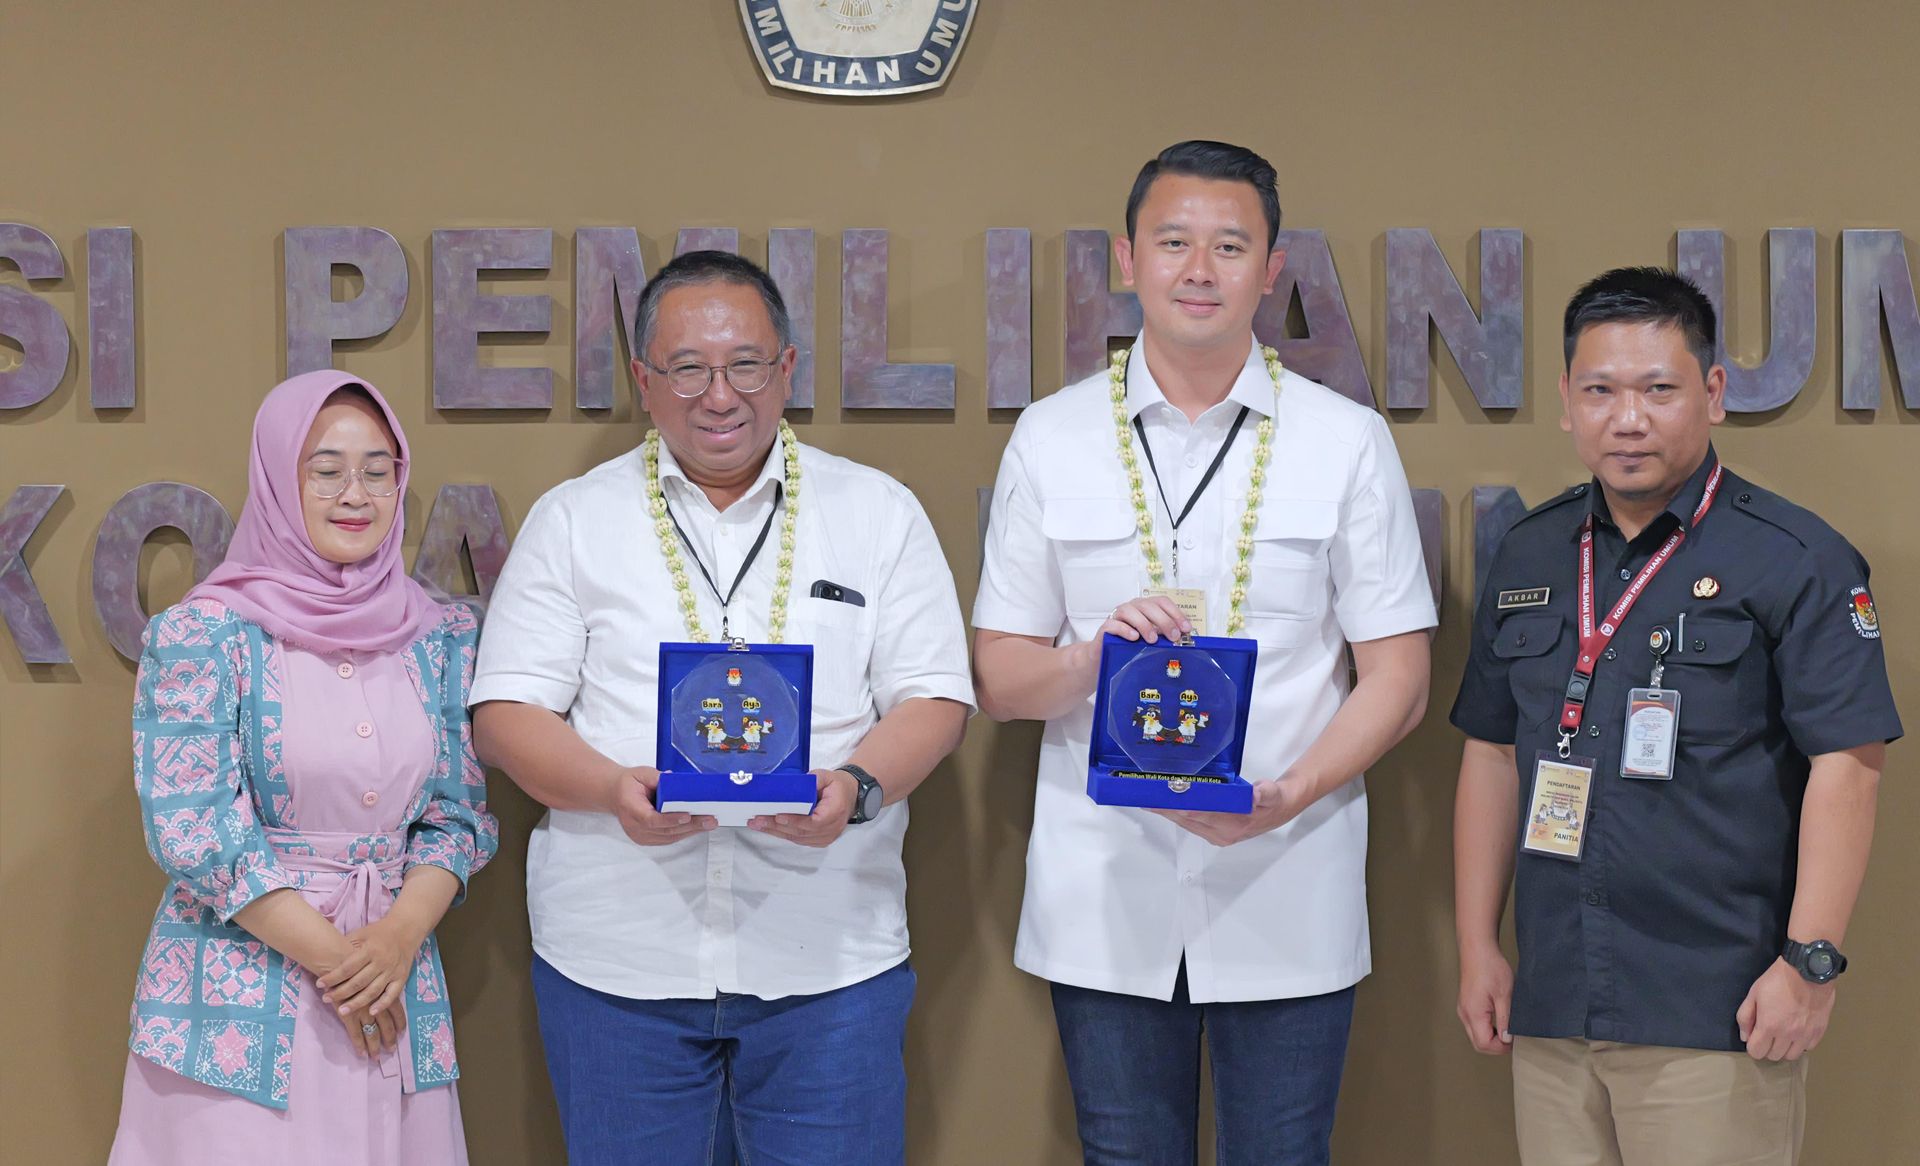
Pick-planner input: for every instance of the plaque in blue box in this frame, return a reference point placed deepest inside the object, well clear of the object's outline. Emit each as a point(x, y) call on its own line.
point(735, 722)
point(1170, 724)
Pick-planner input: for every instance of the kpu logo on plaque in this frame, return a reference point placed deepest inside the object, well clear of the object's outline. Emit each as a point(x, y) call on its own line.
point(857, 48)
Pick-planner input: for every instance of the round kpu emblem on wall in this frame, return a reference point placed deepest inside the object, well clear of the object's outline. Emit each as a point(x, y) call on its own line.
point(857, 48)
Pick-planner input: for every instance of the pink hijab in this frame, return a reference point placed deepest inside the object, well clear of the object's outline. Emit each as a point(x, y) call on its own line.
point(273, 576)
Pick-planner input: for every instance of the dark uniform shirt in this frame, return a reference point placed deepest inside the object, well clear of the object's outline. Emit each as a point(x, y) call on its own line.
point(1681, 897)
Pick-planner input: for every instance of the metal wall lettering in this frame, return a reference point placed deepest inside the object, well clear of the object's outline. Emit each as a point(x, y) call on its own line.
point(1330, 352)
point(469, 517)
point(1876, 285)
point(790, 260)
point(867, 380)
point(1495, 510)
point(1489, 346)
point(314, 318)
point(29, 321)
point(461, 314)
point(126, 528)
point(1757, 388)
point(1430, 515)
point(1009, 318)
point(707, 239)
point(21, 608)
point(608, 274)
point(1095, 312)
point(110, 326)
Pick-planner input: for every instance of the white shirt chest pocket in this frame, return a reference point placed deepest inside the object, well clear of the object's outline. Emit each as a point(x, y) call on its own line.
point(1098, 551)
point(842, 636)
point(1292, 578)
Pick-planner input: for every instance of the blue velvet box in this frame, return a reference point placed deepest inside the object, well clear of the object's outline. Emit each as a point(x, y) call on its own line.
point(1170, 724)
point(734, 730)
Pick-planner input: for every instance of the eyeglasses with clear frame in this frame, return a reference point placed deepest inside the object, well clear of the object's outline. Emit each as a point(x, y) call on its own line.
point(690, 378)
point(330, 478)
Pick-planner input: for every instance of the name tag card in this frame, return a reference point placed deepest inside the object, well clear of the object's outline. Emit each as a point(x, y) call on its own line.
point(1557, 812)
point(1192, 602)
point(1653, 732)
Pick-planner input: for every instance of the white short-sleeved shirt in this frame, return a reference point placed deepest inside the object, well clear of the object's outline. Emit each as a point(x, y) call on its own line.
point(1116, 896)
point(575, 626)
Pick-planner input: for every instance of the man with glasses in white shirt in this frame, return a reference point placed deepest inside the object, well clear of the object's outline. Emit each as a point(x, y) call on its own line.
point(1283, 505)
point(677, 964)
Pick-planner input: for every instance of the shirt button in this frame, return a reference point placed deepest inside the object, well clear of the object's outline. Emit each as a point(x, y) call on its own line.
point(1594, 731)
point(1193, 461)
point(369, 798)
point(1190, 878)
point(346, 671)
point(1593, 898)
point(364, 728)
point(1699, 645)
point(1625, 574)
point(1609, 653)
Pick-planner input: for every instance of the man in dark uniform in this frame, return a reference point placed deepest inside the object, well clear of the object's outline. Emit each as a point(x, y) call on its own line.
point(1677, 710)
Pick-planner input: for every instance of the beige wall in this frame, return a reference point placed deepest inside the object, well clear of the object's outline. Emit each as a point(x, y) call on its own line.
point(1598, 129)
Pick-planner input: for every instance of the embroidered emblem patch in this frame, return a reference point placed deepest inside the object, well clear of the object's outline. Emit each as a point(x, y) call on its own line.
point(1706, 587)
point(1866, 621)
point(1524, 597)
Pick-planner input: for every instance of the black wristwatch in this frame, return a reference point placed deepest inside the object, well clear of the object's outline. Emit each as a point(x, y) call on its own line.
point(1817, 962)
point(868, 799)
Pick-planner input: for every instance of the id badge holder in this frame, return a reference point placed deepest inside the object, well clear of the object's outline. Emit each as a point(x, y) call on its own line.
point(1192, 602)
point(1652, 734)
point(1557, 810)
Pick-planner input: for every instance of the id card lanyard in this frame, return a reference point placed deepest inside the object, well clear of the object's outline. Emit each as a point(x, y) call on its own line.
point(1206, 480)
point(1594, 640)
point(726, 601)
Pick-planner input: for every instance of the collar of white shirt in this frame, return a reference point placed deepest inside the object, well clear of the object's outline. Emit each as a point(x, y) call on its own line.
point(1252, 388)
point(682, 490)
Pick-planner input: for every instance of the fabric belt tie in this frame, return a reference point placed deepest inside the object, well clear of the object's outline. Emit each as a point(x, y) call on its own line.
point(350, 892)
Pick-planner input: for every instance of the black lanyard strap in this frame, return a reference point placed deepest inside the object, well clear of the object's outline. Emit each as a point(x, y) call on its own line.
point(1206, 479)
point(727, 599)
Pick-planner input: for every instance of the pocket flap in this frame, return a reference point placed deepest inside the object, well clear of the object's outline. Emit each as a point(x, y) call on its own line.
point(1713, 640)
point(1086, 519)
point(1532, 633)
point(1302, 518)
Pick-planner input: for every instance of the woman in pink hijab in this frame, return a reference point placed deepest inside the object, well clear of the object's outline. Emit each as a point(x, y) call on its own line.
point(307, 781)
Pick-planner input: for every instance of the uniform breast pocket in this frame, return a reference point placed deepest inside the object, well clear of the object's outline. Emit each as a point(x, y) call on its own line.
point(1526, 643)
point(1290, 578)
point(1722, 693)
point(1099, 557)
point(842, 639)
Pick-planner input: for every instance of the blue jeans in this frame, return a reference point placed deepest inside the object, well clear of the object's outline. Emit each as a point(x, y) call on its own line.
point(1134, 1064)
point(802, 1080)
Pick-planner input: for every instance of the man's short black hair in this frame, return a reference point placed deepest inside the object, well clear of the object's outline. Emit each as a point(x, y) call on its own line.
point(1218, 160)
point(1645, 295)
point(696, 267)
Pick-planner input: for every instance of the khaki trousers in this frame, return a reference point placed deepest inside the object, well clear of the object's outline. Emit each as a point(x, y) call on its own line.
point(1597, 1103)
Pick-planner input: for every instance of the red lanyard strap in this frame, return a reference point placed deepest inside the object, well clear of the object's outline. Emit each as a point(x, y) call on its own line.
point(1594, 641)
